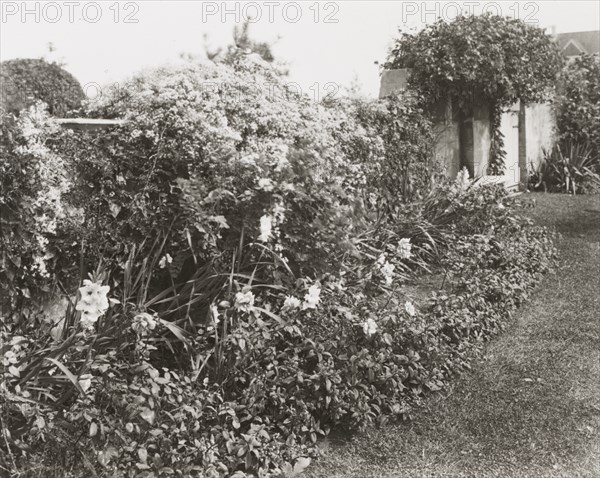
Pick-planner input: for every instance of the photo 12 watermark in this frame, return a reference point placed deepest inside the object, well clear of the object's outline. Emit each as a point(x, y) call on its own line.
point(94, 92)
point(428, 12)
point(254, 12)
point(69, 12)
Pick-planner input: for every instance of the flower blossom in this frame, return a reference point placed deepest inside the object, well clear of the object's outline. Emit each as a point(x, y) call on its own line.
point(214, 311)
point(279, 212)
point(93, 302)
point(143, 323)
point(244, 301)
point(404, 248)
point(370, 327)
point(410, 308)
point(9, 358)
point(265, 184)
point(462, 181)
point(167, 259)
point(312, 298)
point(266, 228)
point(386, 269)
point(291, 303)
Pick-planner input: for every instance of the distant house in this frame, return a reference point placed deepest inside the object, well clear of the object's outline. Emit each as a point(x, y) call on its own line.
point(574, 44)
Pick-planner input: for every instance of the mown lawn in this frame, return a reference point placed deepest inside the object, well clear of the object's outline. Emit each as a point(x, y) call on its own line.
point(531, 406)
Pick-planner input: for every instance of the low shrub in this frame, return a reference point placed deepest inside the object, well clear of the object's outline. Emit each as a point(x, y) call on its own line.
point(272, 367)
point(569, 168)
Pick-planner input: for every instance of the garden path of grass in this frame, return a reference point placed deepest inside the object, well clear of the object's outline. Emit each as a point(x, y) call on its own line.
point(531, 406)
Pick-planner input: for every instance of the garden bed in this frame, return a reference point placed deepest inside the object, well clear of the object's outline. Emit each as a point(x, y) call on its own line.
point(248, 277)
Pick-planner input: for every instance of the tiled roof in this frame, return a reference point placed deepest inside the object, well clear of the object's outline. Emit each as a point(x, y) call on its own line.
point(588, 41)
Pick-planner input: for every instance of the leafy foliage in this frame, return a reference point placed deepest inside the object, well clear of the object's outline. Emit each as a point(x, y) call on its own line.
point(496, 164)
point(248, 255)
point(32, 209)
point(577, 104)
point(25, 81)
point(486, 58)
point(569, 168)
point(497, 58)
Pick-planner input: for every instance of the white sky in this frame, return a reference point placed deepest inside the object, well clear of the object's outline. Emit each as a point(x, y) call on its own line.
point(318, 52)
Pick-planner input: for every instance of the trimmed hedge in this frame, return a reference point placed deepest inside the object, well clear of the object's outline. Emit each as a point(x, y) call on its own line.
point(25, 81)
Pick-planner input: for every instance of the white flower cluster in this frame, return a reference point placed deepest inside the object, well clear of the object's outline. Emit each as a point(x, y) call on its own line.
point(143, 323)
point(370, 327)
point(93, 302)
point(266, 228)
point(48, 173)
point(266, 184)
point(244, 301)
point(462, 181)
point(214, 312)
point(165, 261)
point(291, 303)
point(312, 297)
point(405, 248)
point(269, 224)
point(386, 269)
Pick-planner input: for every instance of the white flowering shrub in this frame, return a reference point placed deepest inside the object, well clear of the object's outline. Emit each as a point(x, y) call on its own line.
point(33, 210)
point(252, 251)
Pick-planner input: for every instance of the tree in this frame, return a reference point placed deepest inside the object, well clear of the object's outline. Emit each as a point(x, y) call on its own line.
point(25, 81)
point(490, 58)
point(577, 105)
point(243, 42)
point(242, 45)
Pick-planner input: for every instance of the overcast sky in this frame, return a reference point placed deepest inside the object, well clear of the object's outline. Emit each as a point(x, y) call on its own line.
point(325, 43)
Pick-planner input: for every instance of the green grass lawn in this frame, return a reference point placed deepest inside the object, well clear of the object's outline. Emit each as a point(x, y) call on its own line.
point(531, 406)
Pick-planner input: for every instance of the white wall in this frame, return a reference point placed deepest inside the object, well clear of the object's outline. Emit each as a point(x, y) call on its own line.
point(540, 127)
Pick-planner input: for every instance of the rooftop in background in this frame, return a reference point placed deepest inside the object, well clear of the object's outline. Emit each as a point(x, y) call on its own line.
point(575, 43)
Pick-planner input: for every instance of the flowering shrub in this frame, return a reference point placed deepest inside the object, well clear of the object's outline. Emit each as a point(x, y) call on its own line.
point(249, 295)
point(211, 156)
point(272, 368)
point(33, 210)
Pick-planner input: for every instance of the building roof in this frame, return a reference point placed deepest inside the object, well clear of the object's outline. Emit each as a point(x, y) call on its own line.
point(576, 43)
point(393, 81)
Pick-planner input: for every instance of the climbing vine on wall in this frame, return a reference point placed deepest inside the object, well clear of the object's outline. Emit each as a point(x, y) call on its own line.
point(496, 165)
point(496, 59)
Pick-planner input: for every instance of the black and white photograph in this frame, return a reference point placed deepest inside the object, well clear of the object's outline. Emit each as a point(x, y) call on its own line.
point(300, 239)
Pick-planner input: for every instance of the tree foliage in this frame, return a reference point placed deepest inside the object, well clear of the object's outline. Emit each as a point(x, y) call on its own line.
point(480, 58)
point(577, 105)
point(25, 81)
point(500, 59)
